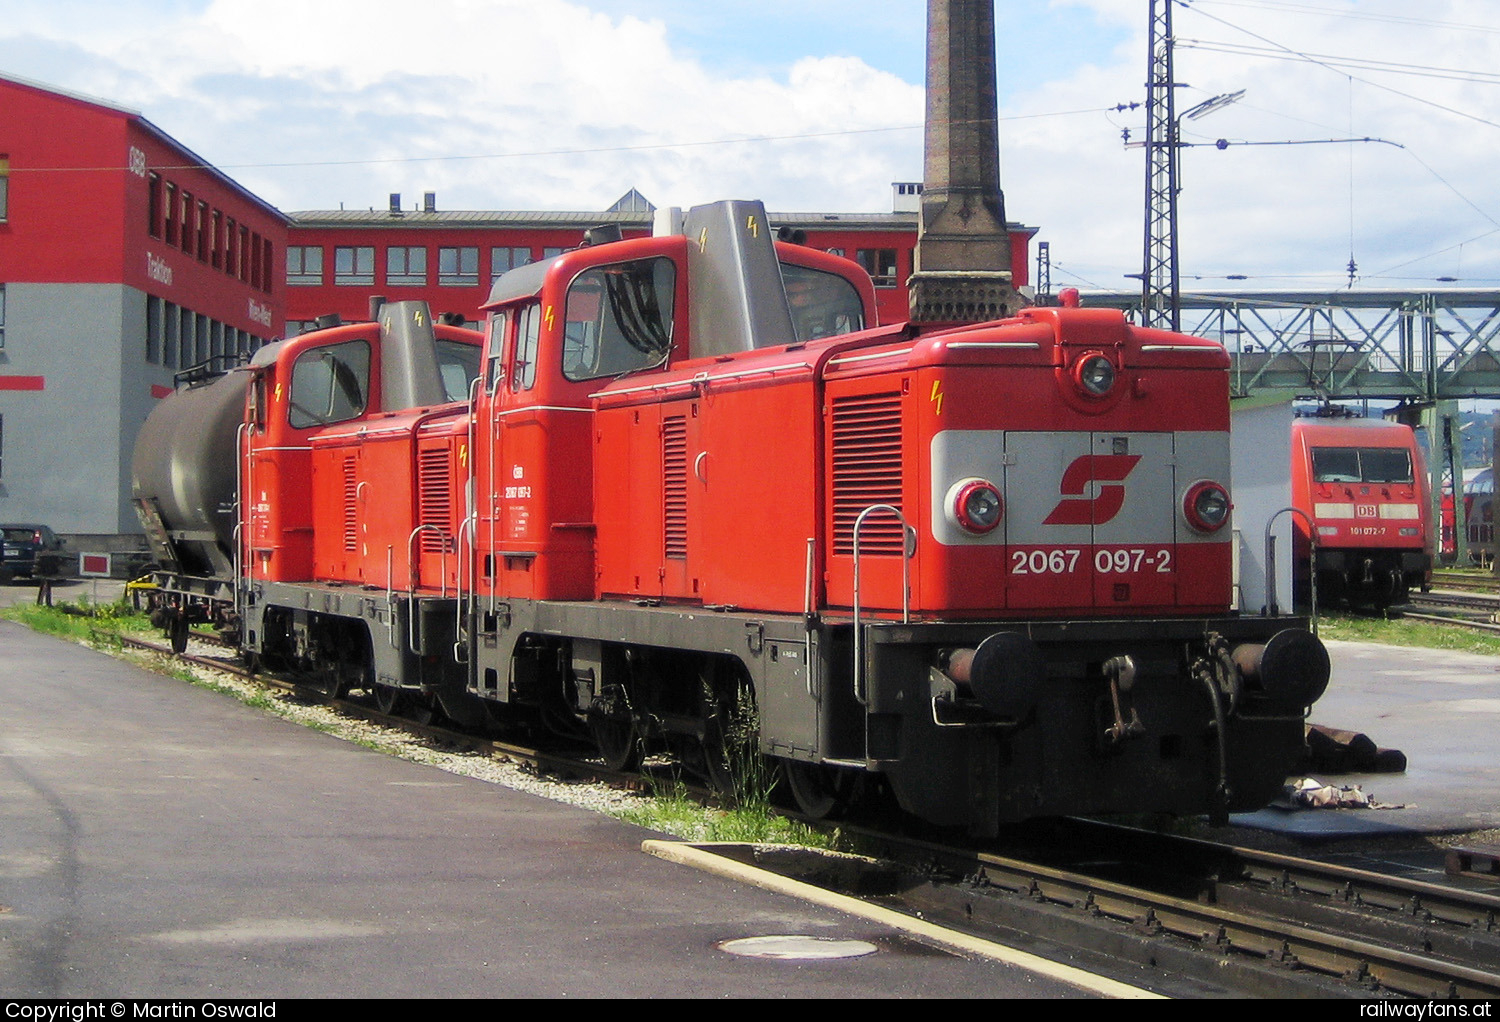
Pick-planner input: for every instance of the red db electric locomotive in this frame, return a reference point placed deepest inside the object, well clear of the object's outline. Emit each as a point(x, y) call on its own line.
point(688, 491)
point(1362, 483)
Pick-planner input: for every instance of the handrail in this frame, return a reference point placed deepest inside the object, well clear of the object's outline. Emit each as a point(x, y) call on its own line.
point(907, 536)
point(1312, 535)
point(412, 573)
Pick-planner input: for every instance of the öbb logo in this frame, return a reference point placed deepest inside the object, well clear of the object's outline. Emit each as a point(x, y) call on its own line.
point(1109, 471)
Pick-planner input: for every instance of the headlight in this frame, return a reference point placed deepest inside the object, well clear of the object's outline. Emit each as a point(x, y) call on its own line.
point(976, 505)
point(1094, 374)
point(1206, 506)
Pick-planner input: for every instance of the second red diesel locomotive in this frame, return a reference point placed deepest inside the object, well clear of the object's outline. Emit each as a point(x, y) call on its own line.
point(687, 487)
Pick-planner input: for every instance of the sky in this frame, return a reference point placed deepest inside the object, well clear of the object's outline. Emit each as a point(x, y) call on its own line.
point(816, 106)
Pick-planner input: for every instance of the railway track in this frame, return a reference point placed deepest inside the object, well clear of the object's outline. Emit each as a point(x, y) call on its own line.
point(1216, 918)
point(1470, 607)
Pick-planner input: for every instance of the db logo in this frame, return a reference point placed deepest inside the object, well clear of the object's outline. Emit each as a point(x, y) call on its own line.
point(1109, 471)
point(1366, 511)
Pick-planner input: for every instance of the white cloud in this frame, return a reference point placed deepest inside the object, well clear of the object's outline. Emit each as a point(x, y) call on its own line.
point(249, 83)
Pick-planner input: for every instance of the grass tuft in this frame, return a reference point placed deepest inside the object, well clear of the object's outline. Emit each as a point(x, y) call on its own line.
point(671, 811)
point(1404, 632)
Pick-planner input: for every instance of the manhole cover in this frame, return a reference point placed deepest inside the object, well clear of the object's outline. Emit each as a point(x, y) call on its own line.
point(792, 946)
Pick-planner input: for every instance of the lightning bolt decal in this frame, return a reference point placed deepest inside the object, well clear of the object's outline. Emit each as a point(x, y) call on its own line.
point(937, 397)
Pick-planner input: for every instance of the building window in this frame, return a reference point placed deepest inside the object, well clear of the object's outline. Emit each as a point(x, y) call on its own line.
point(548, 253)
point(153, 329)
point(243, 246)
point(216, 241)
point(200, 341)
point(171, 208)
point(304, 264)
point(231, 237)
point(353, 265)
point(255, 260)
point(406, 264)
point(4, 189)
point(505, 259)
point(169, 335)
point(153, 204)
point(2, 317)
point(879, 263)
point(186, 329)
point(458, 266)
point(267, 263)
point(187, 222)
point(2, 447)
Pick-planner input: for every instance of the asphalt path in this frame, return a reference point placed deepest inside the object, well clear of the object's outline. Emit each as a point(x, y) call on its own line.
point(161, 840)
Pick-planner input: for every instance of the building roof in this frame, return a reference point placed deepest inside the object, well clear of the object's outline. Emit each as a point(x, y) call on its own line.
point(491, 219)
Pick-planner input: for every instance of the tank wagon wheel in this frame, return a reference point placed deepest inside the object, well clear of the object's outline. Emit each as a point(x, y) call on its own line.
point(177, 633)
point(820, 791)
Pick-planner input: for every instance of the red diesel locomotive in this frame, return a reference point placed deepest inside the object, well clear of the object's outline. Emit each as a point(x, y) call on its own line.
point(1362, 483)
point(694, 492)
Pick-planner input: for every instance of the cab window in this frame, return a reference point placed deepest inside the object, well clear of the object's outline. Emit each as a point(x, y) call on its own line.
point(329, 384)
point(823, 304)
point(618, 319)
point(495, 349)
point(1361, 465)
point(528, 333)
point(458, 366)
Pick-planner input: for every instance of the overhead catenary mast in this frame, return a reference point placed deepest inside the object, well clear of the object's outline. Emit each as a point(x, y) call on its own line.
point(963, 268)
point(1159, 280)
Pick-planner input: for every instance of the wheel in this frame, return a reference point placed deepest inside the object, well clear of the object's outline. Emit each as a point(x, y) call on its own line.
point(420, 709)
point(618, 740)
point(389, 699)
point(730, 748)
point(820, 791)
point(177, 633)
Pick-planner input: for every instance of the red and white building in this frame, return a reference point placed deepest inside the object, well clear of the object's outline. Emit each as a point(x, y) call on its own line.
point(125, 258)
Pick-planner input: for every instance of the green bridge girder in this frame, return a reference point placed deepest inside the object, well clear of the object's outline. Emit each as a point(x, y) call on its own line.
point(1418, 346)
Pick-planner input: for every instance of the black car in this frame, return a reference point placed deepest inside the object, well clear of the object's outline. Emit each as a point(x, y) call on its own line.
point(21, 544)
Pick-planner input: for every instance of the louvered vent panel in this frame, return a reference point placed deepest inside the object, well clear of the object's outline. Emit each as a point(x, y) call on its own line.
point(434, 498)
point(674, 487)
point(867, 471)
point(351, 510)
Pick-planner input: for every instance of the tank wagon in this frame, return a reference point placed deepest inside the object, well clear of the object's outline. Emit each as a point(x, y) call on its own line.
point(1362, 483)
point(697, 492)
